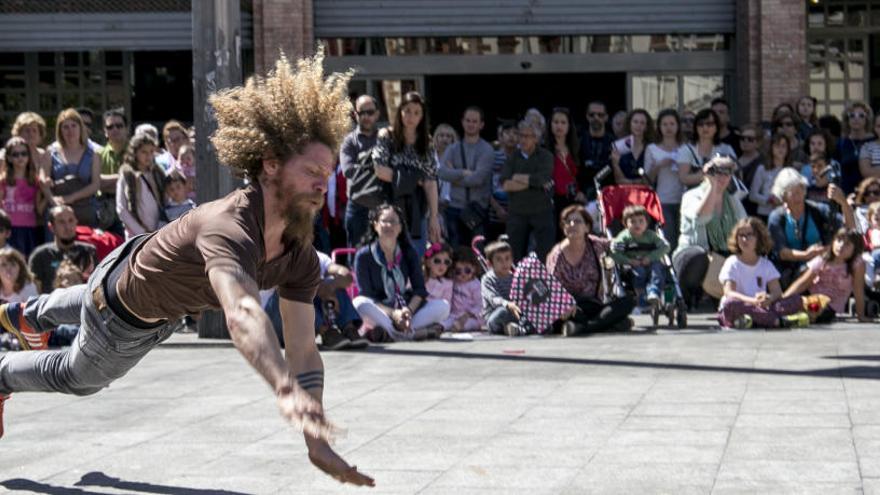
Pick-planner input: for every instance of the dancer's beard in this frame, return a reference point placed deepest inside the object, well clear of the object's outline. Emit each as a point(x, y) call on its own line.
point(299, 215)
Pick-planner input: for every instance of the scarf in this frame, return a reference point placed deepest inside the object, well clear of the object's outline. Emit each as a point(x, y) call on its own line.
point(720, 227)
point(393, 279)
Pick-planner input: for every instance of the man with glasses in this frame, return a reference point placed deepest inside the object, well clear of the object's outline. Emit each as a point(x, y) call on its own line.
point(355, 150)
point(526, 177)
point(596, 141)
point(116, 131)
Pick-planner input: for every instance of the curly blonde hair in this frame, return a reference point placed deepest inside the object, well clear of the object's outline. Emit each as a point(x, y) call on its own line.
point(277, 116)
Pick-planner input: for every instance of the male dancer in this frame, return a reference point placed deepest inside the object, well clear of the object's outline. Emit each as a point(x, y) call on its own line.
point(279, 132)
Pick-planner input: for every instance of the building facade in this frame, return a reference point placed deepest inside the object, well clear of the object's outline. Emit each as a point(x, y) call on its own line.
point(502, 55)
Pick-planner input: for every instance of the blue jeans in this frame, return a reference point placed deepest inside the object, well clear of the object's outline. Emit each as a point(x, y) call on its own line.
point(345, 313)
point(652, 278)
point(105, 348)
point(499, 317)
point(356, 222)
point(876, 255)
point(458, 233)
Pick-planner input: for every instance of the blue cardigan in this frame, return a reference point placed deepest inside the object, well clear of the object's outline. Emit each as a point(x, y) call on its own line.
point(369, 275)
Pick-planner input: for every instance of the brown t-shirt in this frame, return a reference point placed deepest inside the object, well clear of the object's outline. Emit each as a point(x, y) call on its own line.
point(167, 275)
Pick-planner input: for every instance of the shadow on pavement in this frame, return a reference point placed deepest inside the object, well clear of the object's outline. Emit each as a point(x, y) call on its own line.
point(855, 358)
point(861, 372)
point(102, 480)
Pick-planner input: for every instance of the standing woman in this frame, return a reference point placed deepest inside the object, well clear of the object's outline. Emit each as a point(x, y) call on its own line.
point(444, 135)
point(140, 190)
point(869, 155)
point(750, 143)
point(402, 158)
point(628, 158)
point(761, 188)
point(32, 128)
point(788, 125)
point(706, 144)
point(806, 110)
point(856, 119)
point(74, 174)
point(661, 167)
point(563, 143)
point(22, 199)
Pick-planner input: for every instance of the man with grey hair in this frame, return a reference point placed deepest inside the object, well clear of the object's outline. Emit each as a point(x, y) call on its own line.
point(526, 177)
point(352, 155)
point(467, 166)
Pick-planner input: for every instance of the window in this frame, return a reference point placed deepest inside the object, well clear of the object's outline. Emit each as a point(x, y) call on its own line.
point(837, 71)
point(656, 92)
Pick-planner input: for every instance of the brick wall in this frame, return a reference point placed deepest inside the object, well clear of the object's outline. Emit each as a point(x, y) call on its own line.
point(281, 25)
point(771, 55)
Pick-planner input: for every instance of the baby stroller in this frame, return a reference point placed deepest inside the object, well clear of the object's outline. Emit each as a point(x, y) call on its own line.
point(612, 201)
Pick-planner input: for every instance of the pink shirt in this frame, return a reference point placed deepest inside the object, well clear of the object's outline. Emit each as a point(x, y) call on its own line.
point(833, 281)
point(466, 298)
point(20, 203)
point(439, 289)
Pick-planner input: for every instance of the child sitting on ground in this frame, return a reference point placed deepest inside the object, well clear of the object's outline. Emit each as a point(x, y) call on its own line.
point(466, 304)
point(438, 280)
point(642, 249)
point(838, 273)
point(872, 239)
point(177, 203)
point(752, 293)
point(501, 314)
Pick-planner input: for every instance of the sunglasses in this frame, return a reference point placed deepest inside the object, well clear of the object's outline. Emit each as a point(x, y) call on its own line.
point(464, 271)
point(748, 139)
point(444, 261)
point(18, 154)
point(872, 192)
point(114, 126)
point(857, 115)
point(596, 115)
point(366, 113)
point(719, 171)
point(746, 235)
point(574, 221)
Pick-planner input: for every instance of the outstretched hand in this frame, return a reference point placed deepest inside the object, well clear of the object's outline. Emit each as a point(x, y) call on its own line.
point(305, 413)
point(325, 459)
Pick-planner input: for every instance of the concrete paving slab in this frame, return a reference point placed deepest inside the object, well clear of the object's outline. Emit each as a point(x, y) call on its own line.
point(698, 411)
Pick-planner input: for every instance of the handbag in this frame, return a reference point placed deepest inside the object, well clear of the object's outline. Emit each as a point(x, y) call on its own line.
point(84, 208)
point(711, 284)
point(473, 215)
point(367, 190)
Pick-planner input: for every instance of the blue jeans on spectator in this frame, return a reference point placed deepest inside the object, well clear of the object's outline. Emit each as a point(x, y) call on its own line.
point(499, 317)
point(457, 232)
point(356, 222)
point(651, 278)
point(875, 254)
point(345, 313)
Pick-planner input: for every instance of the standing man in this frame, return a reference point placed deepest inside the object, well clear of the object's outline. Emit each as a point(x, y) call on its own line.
point(467, 166)
point(116, 132)
point(356, 147)
point(526, 177)
point(726, 132)
point(596, 144)
point(280, 132)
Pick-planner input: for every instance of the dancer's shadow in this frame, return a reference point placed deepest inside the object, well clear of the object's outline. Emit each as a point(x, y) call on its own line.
point(102, 480)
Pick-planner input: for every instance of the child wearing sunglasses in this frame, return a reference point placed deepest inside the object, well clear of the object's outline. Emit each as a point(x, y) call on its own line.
point(438, 276)
point(467, 303)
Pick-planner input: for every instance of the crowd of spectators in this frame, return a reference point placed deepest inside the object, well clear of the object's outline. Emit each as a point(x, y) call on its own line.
point(755, 216)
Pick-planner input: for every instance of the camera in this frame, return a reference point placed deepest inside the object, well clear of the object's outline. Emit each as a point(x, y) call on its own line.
point(832, 174)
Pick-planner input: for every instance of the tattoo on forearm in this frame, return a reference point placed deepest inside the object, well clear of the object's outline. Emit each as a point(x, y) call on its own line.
point(311, 379)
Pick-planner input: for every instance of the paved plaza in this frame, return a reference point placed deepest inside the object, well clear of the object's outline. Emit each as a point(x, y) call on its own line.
point(699, 411)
